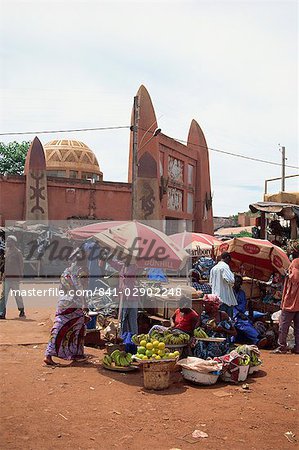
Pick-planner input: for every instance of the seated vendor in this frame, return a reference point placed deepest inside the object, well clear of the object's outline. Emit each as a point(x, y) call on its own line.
point(246, 332)
point(240, 296)
point(184, 318)
point(216, 324)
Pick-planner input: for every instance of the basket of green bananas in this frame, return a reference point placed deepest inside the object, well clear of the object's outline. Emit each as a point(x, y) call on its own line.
point(119, 361)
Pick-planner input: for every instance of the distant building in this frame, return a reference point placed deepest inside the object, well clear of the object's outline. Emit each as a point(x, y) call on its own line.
point(247, 219)
point(221, 222)
point(63, 180)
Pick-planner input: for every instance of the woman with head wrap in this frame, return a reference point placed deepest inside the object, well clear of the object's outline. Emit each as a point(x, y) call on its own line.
point(216, 324)
point(67, 335)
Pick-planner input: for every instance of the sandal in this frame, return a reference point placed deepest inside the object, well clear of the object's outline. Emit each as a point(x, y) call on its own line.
point(279, 351)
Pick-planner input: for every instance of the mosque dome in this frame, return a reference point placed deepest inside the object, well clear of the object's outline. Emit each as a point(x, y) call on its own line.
point(71, 159)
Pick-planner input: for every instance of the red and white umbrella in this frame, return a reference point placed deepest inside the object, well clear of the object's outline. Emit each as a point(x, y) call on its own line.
point(256, 258)
point(196, 244)
point(90, 230)
point(146, 246)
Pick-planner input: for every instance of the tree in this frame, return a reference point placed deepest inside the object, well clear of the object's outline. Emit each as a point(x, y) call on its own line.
point(12, 157)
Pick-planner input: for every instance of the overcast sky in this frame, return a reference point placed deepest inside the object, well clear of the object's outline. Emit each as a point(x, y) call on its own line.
point(232, 66)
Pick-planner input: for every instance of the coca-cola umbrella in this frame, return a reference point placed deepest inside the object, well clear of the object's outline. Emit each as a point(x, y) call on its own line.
point(196, 244)
point(255, 258)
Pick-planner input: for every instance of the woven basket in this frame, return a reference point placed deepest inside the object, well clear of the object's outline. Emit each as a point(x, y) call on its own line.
point(157, 376)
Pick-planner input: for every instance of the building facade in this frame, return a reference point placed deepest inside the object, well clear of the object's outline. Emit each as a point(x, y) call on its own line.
point(63, 180)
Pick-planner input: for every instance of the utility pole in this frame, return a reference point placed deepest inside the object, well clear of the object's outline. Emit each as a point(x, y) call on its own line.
point(283, 173)
point(134, 129)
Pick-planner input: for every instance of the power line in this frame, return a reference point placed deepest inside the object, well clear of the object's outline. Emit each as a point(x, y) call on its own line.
point(237, 155)
point(64, 131)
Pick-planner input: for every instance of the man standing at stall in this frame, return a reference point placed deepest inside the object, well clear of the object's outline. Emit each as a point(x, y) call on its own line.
point(14, 269)
point(222, 281)
point(290, 304)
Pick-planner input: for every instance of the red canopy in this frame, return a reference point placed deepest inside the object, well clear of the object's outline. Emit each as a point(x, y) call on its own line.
point(90, 230)
point(257, 258)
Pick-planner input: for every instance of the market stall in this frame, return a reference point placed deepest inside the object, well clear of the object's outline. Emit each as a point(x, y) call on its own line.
point(263, 266)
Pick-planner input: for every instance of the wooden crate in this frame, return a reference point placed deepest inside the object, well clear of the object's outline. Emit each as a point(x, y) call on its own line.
point(246, 286)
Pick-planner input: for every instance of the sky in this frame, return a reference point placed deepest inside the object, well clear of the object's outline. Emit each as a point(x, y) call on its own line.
point(230, 65)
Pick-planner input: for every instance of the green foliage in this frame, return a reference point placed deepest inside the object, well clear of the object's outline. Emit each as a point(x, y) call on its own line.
point(244, 234)
point(12, 157)
point(235, 218)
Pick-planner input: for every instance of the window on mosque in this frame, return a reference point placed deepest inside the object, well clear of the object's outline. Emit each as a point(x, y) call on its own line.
point(56, 173)
point(73, 174)
point(175, 169)
point(190, 174)
point(190, 202)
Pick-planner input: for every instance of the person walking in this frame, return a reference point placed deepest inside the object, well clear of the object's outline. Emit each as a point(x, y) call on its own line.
point(222, 281)
point(68, 331)
point(290, 305)
point(13, 273)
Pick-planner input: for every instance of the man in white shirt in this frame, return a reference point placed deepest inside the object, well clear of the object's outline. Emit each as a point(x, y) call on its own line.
point(222, 281)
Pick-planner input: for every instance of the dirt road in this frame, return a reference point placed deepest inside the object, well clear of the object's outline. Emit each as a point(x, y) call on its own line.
point(86, 407)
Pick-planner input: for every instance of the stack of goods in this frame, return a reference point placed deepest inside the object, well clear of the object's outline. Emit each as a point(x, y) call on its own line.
point(252, 354)
point(118, 359)
point(235, 367)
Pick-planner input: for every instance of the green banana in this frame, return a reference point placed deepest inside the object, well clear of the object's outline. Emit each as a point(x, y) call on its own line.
point(114, 355)
point(107, 360)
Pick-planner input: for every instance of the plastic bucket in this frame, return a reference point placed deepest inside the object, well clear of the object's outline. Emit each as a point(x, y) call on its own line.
point(200, 378)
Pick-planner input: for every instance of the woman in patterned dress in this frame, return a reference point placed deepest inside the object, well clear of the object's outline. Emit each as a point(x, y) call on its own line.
point(67, 335)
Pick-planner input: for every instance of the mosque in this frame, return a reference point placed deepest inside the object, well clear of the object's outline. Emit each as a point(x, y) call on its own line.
point(63, 180)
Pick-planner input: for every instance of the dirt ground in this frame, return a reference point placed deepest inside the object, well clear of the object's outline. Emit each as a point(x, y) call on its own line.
point(86, 407)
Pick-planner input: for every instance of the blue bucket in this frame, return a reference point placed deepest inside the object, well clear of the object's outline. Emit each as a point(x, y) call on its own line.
point(91, 325)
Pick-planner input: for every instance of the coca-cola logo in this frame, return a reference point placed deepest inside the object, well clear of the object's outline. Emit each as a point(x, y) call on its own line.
point(254, 273)
point(223, 248)
point(277, 261)
point(251, 249)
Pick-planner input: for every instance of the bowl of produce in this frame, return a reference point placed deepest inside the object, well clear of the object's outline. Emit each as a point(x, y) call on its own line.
point(158, 345)
point(118, 361)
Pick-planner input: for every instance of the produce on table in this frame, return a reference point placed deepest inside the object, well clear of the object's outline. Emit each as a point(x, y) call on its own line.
point(118, 359)
point(200, 333)
point(157, 337)
point(155, 353)
point(252, 351)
